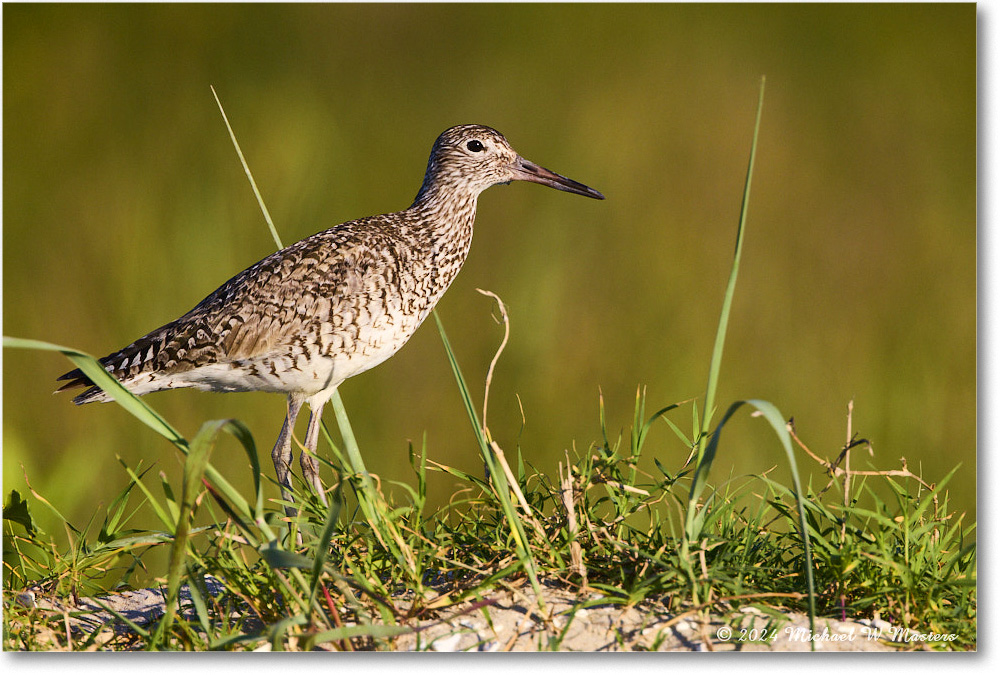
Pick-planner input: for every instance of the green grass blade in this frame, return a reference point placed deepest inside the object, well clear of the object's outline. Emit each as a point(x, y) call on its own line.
point(323, 543)
point(107, 382)
point(463, 390)
point(777, 422)
point(161, 511)
point(720, 335)
point(496, 473)
point(246, 169)
point(279, 558)
point(706, 448)
point(92, 368)
point(240, 431)
point(348, 632)
point(194, 468)
point(374, 506)
point(696, 516)
point(354, 457)
point(198, 601)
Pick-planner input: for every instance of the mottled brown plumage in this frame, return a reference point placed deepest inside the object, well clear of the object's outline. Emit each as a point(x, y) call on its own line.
point(330, 306)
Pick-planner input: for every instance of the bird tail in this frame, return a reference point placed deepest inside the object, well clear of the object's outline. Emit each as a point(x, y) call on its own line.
point(124, 365)
point(78, 379)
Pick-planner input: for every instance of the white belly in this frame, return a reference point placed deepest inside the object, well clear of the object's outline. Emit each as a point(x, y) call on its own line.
point(308, 367)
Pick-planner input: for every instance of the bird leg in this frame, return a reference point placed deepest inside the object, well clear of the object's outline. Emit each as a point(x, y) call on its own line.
point(310, 467)
point(282, 453)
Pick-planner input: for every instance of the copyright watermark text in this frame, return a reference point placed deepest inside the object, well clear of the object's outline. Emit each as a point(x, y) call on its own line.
point(846, 634)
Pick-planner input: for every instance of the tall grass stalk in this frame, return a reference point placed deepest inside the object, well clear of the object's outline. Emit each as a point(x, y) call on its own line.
point(707, 441)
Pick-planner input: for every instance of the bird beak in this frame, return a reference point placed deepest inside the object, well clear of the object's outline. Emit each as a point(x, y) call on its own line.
point(529, 171)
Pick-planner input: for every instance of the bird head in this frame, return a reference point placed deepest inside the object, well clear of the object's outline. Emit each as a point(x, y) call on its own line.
point(472, 157)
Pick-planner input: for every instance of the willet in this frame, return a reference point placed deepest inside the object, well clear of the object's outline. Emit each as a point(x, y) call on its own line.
point(306, 318)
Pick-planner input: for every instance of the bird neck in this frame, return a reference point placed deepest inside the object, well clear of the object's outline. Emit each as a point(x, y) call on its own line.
point(440, 227)
point(447, 212)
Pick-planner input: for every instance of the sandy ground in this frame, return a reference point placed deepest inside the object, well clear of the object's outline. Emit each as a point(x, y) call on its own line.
point(512, 622)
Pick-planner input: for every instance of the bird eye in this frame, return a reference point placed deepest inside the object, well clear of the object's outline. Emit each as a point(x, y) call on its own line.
point(475, 146)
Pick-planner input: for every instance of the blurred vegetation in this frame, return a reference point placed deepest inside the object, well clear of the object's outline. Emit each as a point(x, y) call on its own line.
point(124, 205)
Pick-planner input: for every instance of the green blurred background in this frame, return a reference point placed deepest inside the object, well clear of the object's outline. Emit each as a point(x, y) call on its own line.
point(124, 205)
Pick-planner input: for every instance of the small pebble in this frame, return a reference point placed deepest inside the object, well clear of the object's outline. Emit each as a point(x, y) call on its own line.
point(449, 643)
point(684, 626)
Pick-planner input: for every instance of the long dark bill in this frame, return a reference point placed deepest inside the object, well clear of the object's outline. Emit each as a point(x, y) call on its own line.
point(529, 171)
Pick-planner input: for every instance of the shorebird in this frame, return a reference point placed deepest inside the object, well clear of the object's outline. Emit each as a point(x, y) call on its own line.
point(333, 305)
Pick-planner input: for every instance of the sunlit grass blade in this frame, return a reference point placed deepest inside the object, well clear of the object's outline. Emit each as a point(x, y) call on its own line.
point(708, 446)
point(241, 433)
point(246, 169)
point(720, 336)
point(355, 460)
point(92, 368)
point(704, 453)
point(107, 382)
point(702, 462)
point(496, 473)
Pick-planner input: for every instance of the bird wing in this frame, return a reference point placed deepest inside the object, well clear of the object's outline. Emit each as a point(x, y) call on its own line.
point(265, 309)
